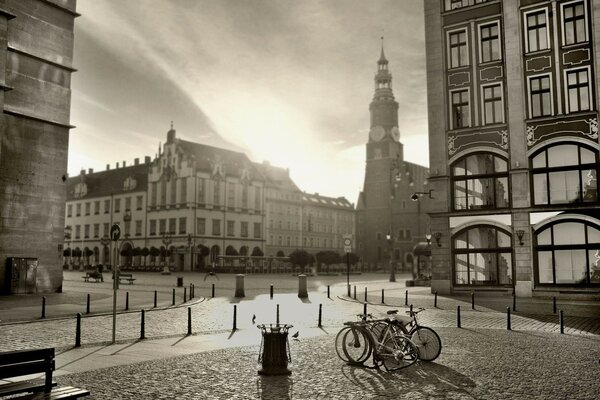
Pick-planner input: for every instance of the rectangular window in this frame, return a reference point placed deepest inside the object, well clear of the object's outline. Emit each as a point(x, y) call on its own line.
point(458, 50)
point(152, 227)
point(536, 23)
point(493, 106)
point(216, 227)
point(172, 225)
point(153, 193)
point(216, 193)
point(138, 227)
point(231, 195)
point(578, 90)
point(244, 229)
point(200, 226)
point(97, 207)
point(173, 191)
point(117, 205)
point(105, 229)
point(574, 23)
point(257, 198)
point(106, 206)
point(245, 196)
point(78, 209)
point(77, 231)
point(540, 96)
point(182, 225)
point(257, 230)
point(163, 192)
point(96, 230)
point(86, 231)
point(127, 203)
point(201, 190)
point(87, 208)
point(139, 200)
point(69, 210)
point(230, 228)
point(162, 226)
point(461, 116)
point(127, 228)
point(490, 42)
point(183, 191)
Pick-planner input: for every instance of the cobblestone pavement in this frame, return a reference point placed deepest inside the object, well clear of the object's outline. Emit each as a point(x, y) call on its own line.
point(474, 364)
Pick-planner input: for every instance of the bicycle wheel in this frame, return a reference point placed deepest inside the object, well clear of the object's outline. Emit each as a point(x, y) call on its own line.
point(356, 346)
point(339, 344)
point(428, 342)
point(398, 352)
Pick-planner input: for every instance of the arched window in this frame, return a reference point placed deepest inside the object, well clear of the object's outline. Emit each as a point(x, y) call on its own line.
point(480, 181)
point(482, 256)
point(568, 253)
point(565, 173)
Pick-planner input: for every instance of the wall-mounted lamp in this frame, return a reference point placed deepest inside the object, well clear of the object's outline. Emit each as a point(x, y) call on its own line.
point(520, 234)
point(388, 237)
point(415, 196)
point(438, 238)
point(428, 238)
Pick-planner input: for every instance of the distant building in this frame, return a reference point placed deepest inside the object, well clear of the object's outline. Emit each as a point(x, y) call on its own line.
point(35, 78)
point(388, 223)
point(193, 203)
point(513, 137)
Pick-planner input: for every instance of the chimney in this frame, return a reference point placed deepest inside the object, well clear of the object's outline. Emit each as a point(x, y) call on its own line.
point(136, 161)
point(147, 160)
point(124, 164)
point(83, 172)
point(90, 171)
point(108, 167)
point(117, 167)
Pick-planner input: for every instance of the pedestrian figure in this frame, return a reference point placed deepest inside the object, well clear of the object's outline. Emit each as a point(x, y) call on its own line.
point(211, 272)
point(253, 319)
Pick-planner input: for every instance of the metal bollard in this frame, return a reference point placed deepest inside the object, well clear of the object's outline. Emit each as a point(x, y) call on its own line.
point(234, 317)
point(382, 296)
point(271, 292)
point(435, 299)
point(191, 290)
point(354, 292)
point(561, 321)
point(472, 300)
point(458, 316)
point(554, 305)
point(155, 298)
point(508, 319)
point(411, 310)
point(277, 315)
point(143, 325)
point(87, 307)
point(184, 294)
point(173, 302)
point(189, 320)
point(213, 290)
point(365, 294)
point(43, 307)
point(328, 292)
point(514, 302)
point(126, 301)
point(406, 298)
point(320, 314)
point(78, 331)
point(365, 309)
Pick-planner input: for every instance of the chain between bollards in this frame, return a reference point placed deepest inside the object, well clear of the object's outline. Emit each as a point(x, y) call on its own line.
point(143, 325)
point(155, 298)
point(508, 327)
point(126, 301)
point(189, 320)
point(561, 321)
point(87, 307)
point(435, 299)
point(43, 307)
point(78, 331)
point(271, 292)
point(406, 298)
point(234, 317)
point(320, 314)
point(277, 315)
point(458, 316)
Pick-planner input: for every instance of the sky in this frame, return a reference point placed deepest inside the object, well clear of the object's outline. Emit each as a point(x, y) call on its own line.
point(284, 81)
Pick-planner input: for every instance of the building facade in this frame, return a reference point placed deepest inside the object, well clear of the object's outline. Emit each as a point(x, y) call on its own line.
point(513, 136)
point(36, 42)
point(388, 223)
point(192, 204)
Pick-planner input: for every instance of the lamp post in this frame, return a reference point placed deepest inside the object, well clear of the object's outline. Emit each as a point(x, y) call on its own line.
point(390, 239)
point(166, 240)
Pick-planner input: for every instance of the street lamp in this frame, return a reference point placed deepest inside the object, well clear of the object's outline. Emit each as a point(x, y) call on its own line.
point(167, 240)
point(390, 240)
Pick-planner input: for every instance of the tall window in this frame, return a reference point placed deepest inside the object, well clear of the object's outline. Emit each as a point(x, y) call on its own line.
point(458, 49)
point(490, 42)
point(565, 173)
point(258, 230)
point(127, 203)
point(96, 230)
point(127, 227)
point(482, 256)
point(163, 192)
point(105, 229)
point(106, 206)
point(574, 23)
point(152, 227)
point(493, 105)
point(78, 209)
point(216, 227)
point(139, 200)
point(244, 229)
point(162, 226)
point(173, 190)
point(201, 226)
point(568, 252)
point(540, 96)
point(183, 191)
point(77, 231)
point(87, 208)
point(217, 193)
point(231, 195)
point(230, 228)
point(97, 207)
point(578, 90)
point(245, 196)
point(201, 190)
point(172, 225)
point(117, 205)
point(537, 30)
point(69, 210)
point(480, 181)
point(182, 225)
point(86, 231)
point(153, 193)
point(138, 227)
point(461, 116)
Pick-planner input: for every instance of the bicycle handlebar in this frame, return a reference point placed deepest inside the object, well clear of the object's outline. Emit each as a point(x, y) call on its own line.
point(415, 312)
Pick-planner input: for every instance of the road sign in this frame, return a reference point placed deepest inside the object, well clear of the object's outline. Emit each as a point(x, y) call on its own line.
point(347, 243)
point(115, 232)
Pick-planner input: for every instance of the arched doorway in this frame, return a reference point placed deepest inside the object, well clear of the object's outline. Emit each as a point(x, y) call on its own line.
point(214, 252)
point(126, 255)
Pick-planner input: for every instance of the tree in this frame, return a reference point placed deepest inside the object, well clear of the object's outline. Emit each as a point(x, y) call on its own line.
point(328, 257)
point(280, 253)
point(302, 258)
point(353, 258)
point(257, 252)
point(145, 252)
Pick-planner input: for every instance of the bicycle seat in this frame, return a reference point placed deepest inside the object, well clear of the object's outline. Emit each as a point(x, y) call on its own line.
point(390, 312)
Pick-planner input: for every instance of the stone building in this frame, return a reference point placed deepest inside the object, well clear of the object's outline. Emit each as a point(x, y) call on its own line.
point(513, 137)
point(388, 223)
point(36, 39)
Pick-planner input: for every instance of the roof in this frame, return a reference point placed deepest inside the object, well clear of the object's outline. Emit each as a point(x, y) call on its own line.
point(277, 177)
point(324, 201)
point(105, 183)
point(422, 249)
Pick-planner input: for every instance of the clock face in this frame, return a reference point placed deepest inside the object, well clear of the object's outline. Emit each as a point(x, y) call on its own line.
point(395, 133)
point(377, 133)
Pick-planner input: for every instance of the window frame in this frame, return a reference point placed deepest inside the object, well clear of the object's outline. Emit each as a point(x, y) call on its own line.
point(526, 30)
point(483, 103)
point(449, 47)
point(563, 22)
point(590, 88)
point(480, 28)
point(529, 94)
point(451, 106)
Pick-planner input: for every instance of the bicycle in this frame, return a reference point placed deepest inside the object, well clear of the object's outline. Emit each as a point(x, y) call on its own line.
point(427, 340)
point(356, 342)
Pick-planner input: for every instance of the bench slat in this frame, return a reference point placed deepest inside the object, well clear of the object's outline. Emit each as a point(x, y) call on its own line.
point(8, 389)
point(18, 356)
point(65, 392)
point(34, 367)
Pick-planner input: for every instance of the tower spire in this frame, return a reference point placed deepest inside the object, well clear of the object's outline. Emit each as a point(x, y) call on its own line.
point(382, 57)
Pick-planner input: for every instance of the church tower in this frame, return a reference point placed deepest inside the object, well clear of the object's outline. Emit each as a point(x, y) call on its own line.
point(382, 229)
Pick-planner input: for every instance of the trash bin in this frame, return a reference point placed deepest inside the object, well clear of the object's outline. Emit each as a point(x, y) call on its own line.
point(179, 281)
point(274, 354)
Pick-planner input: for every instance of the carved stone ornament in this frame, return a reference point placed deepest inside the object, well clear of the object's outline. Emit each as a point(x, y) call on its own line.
point(584, 127)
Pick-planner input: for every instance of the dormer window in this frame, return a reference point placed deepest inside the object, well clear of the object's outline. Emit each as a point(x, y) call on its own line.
point(129, 184)
point(80, 190)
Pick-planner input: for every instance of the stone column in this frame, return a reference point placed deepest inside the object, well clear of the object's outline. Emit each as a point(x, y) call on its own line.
point(302, 292)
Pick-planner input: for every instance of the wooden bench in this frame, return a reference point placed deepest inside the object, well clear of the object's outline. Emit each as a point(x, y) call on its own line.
point(96, 276)
point(19, 363)
point(127, 277)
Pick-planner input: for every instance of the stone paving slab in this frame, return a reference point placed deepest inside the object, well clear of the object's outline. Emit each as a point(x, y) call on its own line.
point(474, 364)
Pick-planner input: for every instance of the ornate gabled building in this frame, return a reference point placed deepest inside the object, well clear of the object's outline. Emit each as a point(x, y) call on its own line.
point(388, 223)
point(514, 151)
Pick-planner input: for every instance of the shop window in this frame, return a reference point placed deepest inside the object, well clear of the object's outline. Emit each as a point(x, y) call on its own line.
point(480, 181)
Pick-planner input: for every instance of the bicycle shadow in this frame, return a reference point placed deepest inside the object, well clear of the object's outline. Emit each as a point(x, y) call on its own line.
point(428, 378)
